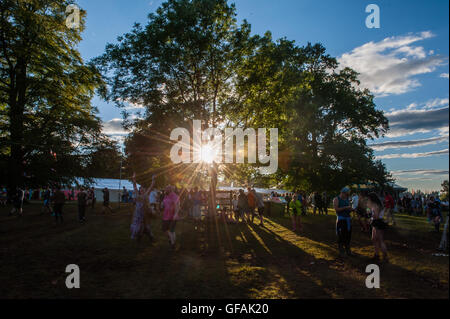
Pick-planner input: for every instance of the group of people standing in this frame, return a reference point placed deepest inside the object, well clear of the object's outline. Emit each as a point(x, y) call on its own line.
point(374, 212)
point(371, 213)
point(171, 204)
point(246, 206)
point(54, 200)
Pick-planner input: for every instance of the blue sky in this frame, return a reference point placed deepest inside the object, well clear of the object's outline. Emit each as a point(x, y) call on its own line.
point(404, 63)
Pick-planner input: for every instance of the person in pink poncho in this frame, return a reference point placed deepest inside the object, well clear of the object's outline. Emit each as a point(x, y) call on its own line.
point(171, 203)
point(140, 225)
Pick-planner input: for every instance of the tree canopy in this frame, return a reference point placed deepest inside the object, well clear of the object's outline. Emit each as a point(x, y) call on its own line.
point(47, 122)
point(193, 61)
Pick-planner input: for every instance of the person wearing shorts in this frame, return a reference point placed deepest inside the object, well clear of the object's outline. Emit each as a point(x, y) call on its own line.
point(378, 226)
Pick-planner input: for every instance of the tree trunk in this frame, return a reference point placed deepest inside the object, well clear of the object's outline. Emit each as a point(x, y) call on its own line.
point(16, 116)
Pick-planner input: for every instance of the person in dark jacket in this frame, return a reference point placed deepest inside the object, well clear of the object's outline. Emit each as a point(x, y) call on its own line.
point(58, 200)
point(242, 204)
point(82, 203)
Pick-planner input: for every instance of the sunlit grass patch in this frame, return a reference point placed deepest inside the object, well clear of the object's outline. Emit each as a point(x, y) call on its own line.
point(213, 261)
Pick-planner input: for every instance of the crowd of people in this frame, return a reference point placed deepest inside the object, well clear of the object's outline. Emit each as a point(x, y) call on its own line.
point(374, 211)
point(54, 199)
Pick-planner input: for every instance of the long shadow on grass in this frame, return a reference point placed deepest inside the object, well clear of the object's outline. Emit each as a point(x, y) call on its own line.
point(330, 277)
point(396, 280)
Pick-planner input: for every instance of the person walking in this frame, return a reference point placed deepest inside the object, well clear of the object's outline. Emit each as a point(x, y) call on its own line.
point(389, 205)
point(82, 203)
point(259, 206)
point(153, 200)
point(318, 204)
point(242, 204)
point(58, 203)
point(18, 198)
point(435, 213)
point(288, 199)
point(140, 224)
point(325, 202)
point(251, 204)
point(171, 204)
point(124, 195)
point(92, 198)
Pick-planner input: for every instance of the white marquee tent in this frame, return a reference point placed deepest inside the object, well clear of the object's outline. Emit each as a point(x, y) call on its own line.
point(114, 185)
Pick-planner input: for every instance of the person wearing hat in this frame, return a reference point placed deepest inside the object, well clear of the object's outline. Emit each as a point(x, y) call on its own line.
point(343, 210)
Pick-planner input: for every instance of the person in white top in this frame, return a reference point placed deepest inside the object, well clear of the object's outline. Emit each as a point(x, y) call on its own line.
point(355, 199)
point(153, 199)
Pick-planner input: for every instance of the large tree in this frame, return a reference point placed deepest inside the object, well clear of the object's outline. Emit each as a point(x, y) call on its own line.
point(181, 67)
point(192, 61)
point(48, 124)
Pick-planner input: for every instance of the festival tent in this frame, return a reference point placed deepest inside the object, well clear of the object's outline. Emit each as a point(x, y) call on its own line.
point(397, 188)
point(372, 186)
point(266, 191)
point(114, 186)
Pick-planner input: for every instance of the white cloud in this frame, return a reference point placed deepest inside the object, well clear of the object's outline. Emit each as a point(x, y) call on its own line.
point(134, 106)
point(444, 75)
point(413, 179)
point(411, 120)
point(436, 103)
point(413, 155)
point(421, 172)
point(408, 143)
point(390, 66)
point(114, 127)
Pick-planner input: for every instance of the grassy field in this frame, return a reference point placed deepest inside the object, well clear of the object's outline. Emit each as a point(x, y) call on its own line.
point(227, 261)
